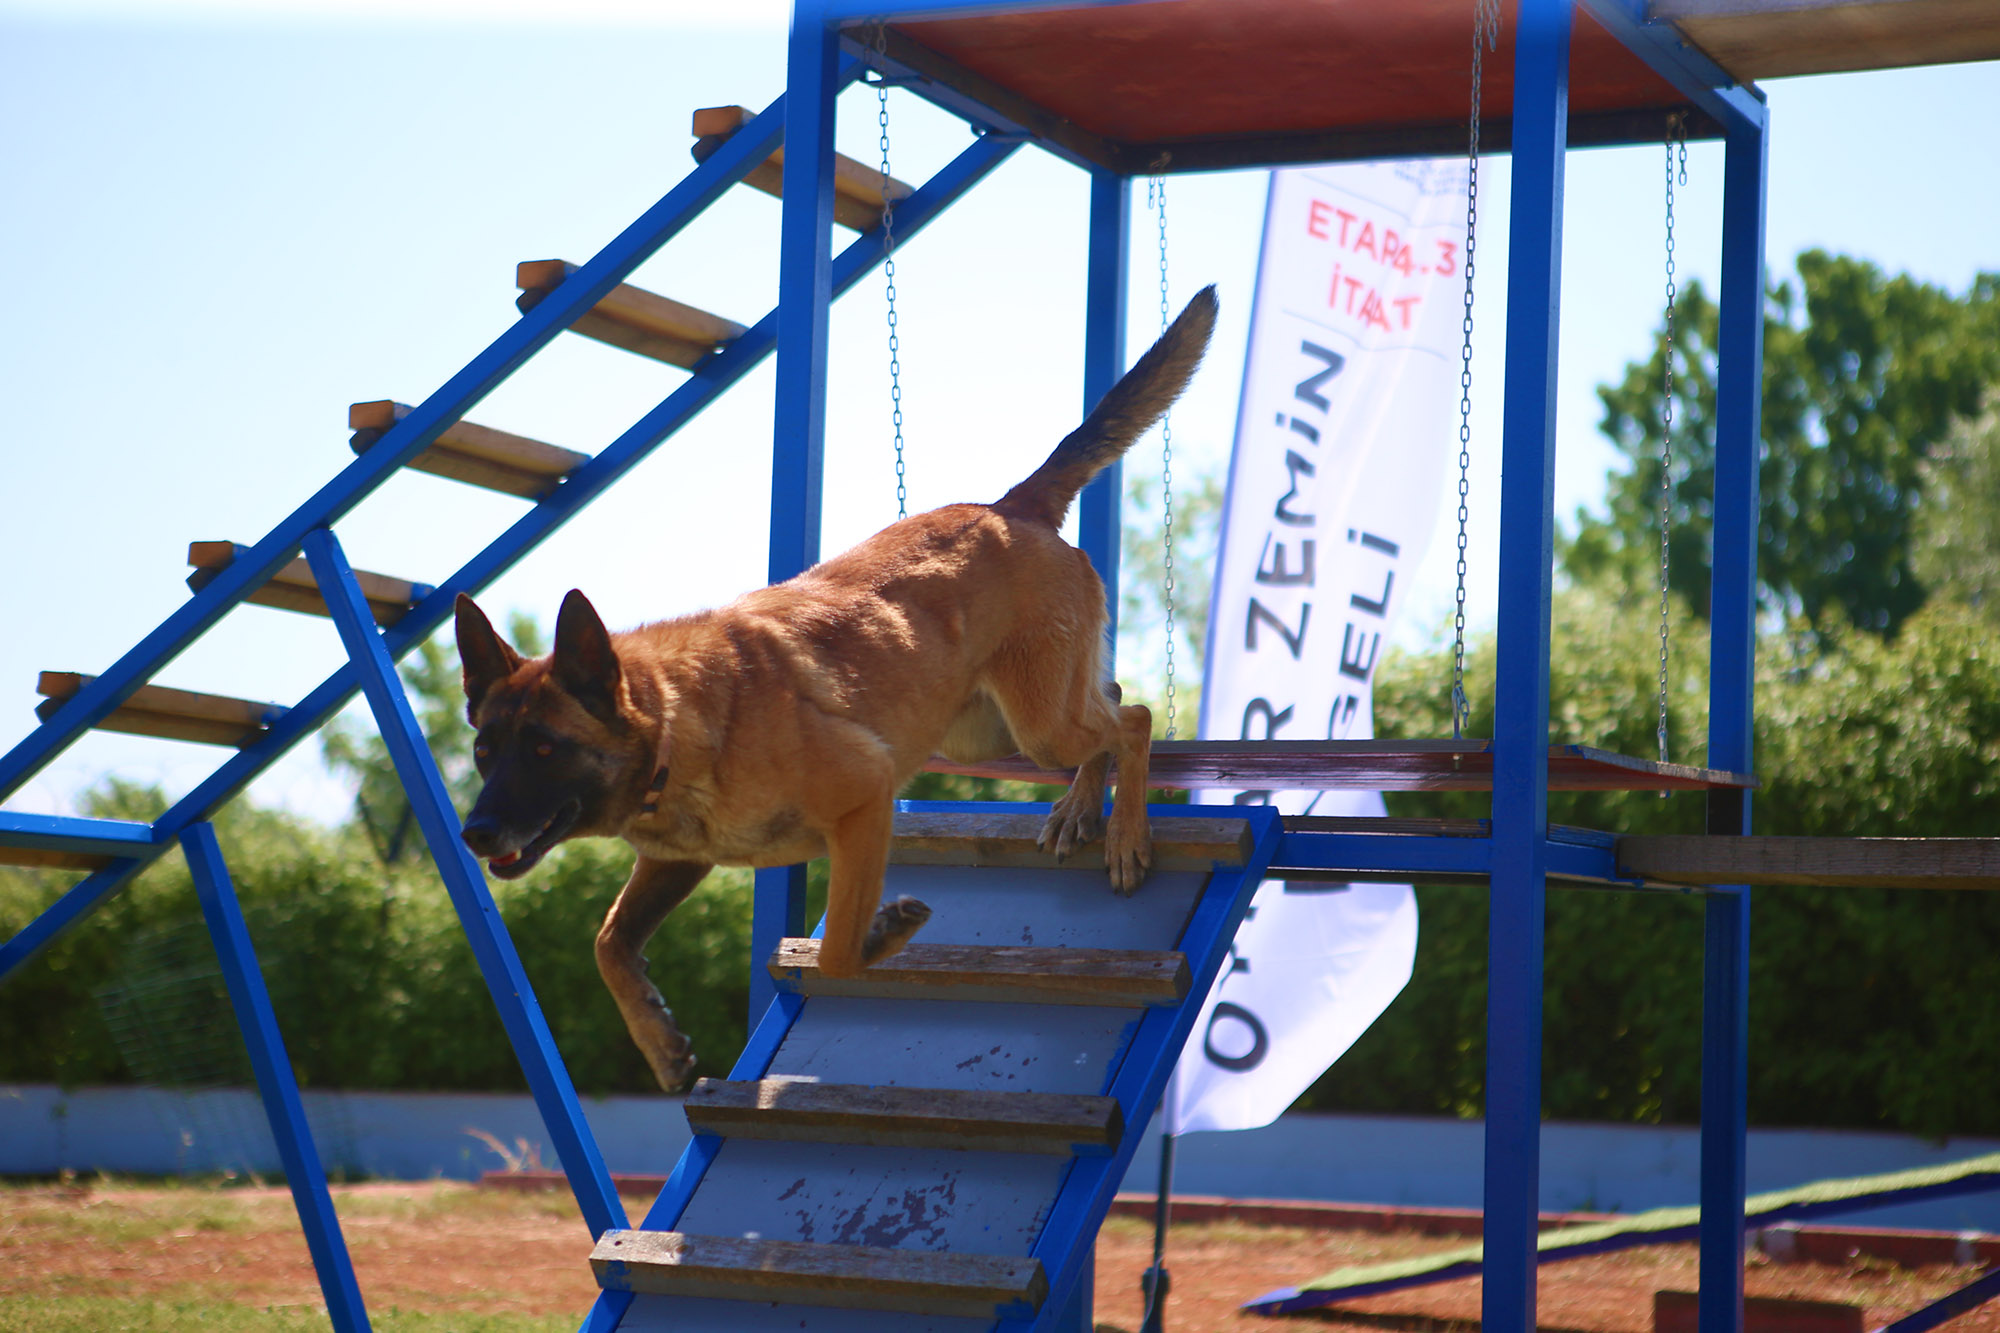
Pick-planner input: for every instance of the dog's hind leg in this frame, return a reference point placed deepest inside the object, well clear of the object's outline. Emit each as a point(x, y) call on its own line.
point(655, 889)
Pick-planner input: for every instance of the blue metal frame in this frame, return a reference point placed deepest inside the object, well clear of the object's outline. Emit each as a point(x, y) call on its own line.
point(1097, 519)
point(1521, 685)
point(280, 1090)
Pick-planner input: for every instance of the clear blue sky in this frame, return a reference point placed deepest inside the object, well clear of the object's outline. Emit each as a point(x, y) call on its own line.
point(224, 222)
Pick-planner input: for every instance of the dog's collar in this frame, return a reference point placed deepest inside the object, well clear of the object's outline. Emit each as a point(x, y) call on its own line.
point(658, 785)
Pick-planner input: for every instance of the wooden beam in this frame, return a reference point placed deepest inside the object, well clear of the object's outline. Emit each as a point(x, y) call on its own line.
point(865, 1277)
point(155, 710)
point(808, 1110)
point(998, 974)
point(50, 858)
point(471, 453)
point(858, 191)
point(294, 588)
point(991, 838)
point(1834, 863)
point(632, 318)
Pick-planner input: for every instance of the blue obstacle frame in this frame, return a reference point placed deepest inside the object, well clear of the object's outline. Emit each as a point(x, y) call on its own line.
point(1519, 851)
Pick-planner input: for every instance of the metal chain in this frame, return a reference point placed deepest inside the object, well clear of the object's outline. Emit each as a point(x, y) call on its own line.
point(1486, 26)
point(1676, 166)
point(1156, 197)
point(889, 275)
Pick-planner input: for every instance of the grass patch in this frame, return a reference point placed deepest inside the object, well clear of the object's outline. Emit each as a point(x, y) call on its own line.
point(104, 1315)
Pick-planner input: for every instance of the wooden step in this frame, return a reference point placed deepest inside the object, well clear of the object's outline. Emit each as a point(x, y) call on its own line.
point(294, 588)
point(999, 974)
point(858, 190)
point(632, 318)
point(477, 455)
point(806, 1109)
point(1003, 838)
point(180, 715)
point(864, 1277)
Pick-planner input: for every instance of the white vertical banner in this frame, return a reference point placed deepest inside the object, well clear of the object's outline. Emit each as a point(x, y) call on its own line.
point(1345, 442)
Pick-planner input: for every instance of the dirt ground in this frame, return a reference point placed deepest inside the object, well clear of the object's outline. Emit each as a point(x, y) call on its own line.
point(445, 1247)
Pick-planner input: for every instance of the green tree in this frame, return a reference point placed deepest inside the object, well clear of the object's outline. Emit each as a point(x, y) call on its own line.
point(1958, 529)
point(1865, 375)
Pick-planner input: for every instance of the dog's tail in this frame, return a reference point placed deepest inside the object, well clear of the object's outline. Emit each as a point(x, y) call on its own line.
point(1125, 413)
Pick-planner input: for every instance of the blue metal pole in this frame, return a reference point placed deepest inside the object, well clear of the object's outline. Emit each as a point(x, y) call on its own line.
point(798, 446)
point(1103, 362)
point(1732, 672)
point(1521, 713)
point(303, 1171)
point(554, 1095)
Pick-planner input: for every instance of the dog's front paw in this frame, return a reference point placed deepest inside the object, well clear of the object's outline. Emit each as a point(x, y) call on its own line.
point(892, 927)
point(1128, 859)
point(667, 1049)
point(1071, 825)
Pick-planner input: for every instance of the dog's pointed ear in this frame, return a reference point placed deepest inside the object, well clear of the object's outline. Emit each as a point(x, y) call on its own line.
point(585, 664)
point(486, 658)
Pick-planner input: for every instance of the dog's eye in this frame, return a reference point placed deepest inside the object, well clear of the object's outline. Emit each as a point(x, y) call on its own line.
point(545, 749)
point(482, 752)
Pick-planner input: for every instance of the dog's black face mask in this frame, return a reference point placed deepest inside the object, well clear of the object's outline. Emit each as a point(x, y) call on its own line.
point(548, 736)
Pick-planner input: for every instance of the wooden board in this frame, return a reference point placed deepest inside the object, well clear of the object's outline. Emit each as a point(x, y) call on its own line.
point(807, 1109)
point(50, 858)
point(851, 1276)
point(1124, 977)
point(858, 190)
point(1768, 39)
point(1893, 863)
point(155, 710)
point(634, 319)
point(1422, 765)
point(293, 588)
point(471, 453)
point(1008, 839)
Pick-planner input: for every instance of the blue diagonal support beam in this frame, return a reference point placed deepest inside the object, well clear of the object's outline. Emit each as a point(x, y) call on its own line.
point(1733, 105)
point(548, 1080)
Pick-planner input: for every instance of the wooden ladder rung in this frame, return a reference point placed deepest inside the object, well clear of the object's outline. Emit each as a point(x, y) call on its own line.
point(858, 190)
point(180, 715)
point(864, 1277)
point(294, 588)
point(632, 318)
point(996, 838)
point(1060, 1124)
point(477, 455)
point(997, 973)
point(50, 858)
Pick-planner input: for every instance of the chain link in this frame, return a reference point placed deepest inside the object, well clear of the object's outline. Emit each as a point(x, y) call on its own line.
point(1485, 33)
point(1676, 172)
point(1156, 198)
point(889, 272)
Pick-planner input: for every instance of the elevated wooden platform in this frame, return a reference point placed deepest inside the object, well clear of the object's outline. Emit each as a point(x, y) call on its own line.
point(939, 839)
point(994, 974)
point(1372, 766)
point(1200, 85)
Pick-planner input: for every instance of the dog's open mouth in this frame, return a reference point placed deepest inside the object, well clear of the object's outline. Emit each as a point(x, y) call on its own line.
point(518, 863)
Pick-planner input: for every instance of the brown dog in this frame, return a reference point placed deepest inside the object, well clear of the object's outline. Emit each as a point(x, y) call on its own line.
point(780, 727)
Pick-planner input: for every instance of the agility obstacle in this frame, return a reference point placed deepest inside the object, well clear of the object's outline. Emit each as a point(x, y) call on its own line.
point(1117, 90)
